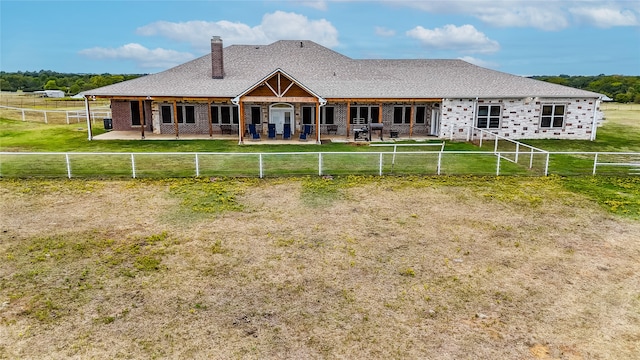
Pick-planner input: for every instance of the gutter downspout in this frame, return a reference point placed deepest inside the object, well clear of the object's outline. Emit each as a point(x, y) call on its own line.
point(321, 102)
point(89, 130)
point(236, 101)
point(594, 125)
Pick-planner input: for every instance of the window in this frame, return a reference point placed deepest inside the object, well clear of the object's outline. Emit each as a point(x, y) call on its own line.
point(166, 114)
point(135, 113)
point(308, 114)
point(421, 113)
point(186, 114)
point(224, 114)
point(326, 116)
point(255, 115)
point(488, 116)
point(402, 114)
point(190, 114)
point(552, 116)
point(364, 114)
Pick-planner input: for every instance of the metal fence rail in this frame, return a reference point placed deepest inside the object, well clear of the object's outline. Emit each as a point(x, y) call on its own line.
point(175, 164)
point(53, 116)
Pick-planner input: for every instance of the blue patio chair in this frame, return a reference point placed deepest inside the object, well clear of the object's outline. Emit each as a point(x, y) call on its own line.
point(306, 131)
point(286, 131)
point(272, 131)
point(254, 134)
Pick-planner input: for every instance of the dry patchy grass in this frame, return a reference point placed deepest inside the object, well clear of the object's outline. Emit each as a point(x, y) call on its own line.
point(444, 268)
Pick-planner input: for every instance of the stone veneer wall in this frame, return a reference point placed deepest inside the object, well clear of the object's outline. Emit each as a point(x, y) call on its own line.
point(520, 118)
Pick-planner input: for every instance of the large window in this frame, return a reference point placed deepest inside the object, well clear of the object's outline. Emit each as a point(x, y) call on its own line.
point(364, 114)
point(326, 115)
point(421, 114)
point(488, 116)
point(552, 116)
point(308, 115)
point(402, 114)
point(255, 115)
point(135, 113)
point(224, 114)
point(186, 114)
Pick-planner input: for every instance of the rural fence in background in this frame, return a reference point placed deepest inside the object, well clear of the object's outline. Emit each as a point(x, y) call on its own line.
point(206, 164)
point(53, 116)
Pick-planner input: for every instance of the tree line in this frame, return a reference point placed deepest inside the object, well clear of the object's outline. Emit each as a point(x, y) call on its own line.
point(71, 84)
point(622, 89)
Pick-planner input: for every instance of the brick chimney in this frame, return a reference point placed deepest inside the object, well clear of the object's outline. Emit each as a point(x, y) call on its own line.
point(217, 68)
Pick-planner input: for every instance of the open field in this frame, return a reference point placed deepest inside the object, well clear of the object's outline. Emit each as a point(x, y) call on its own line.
point(354, 267)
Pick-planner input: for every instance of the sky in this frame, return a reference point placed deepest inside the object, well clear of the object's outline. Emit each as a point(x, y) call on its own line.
point(522, 37)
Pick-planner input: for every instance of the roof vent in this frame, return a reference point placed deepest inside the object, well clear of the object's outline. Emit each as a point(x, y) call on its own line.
point(301, 44)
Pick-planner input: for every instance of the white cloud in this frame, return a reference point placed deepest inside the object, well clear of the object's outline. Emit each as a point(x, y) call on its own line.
point(145, 58)
point(479, 62)
point(275, 26)
point(605, 17)
point(544, 15)
point(464, 38)
point(318, 4)
point(384, 32)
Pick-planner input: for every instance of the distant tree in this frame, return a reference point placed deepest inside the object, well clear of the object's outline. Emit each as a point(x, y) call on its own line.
point(51, 85)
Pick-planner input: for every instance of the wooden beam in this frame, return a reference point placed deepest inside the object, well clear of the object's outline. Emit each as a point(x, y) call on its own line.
point(380, 113)
point(293, 99)
point(175, 117)
point(142, 119)
point(210, 119)
point(382, 100)
point(411, 120)
point(89, 128)
point(348, 118)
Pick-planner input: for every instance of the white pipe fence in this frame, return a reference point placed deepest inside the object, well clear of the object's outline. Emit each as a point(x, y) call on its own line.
point(54, 116)
point(173, 164)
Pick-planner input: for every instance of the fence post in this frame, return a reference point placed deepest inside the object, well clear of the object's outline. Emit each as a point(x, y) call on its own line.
point(498, 166)
point(67, 113)
point(23, 118)
point(546, 166)
point(481, 135)
point(319, 164)
point(517, 151)
point(439, 161)
point(68, 166)
point(197, 166)
point(595, 163)
point(260, 165)
point(45, 117)
point(380, 165)
point(495, 147)
point(133, 167)
point(531, 159)
point(393, 159)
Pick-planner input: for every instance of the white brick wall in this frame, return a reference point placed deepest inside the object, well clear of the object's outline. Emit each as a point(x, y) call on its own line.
point(520, 118)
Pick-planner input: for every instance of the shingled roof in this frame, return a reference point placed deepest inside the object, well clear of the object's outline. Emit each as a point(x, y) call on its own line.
point(333, 75)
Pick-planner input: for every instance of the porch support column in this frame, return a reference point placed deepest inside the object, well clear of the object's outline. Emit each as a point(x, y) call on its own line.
point(89, 129)
point(380, 113)
point(411, 119)
point(318, 122)
point(142, 119)
point(241, 121)
point(348, 118)
point(175, 117)
point(209, 117)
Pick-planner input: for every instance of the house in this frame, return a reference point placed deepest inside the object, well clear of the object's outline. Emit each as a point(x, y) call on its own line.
point(281, 89)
